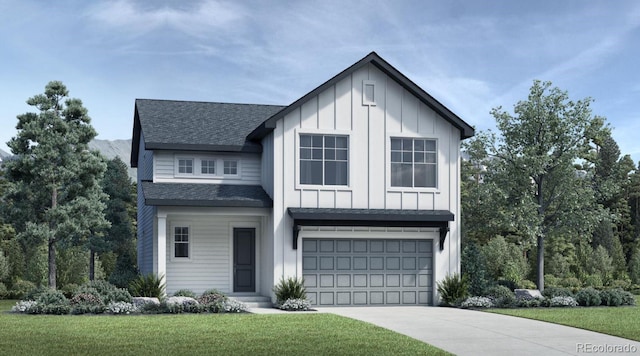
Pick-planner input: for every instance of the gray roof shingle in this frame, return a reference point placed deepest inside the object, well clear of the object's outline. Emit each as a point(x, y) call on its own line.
point(199, 126)
point(210, 195)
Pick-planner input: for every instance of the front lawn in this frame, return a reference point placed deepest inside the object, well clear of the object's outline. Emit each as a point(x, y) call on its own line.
point(284, 334)
point(618, 321)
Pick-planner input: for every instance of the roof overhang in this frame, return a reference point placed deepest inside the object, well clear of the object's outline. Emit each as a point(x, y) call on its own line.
point(205, 195)
point(370, 217)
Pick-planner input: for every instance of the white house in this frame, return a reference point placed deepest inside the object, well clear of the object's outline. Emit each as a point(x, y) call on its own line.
point(354, 187)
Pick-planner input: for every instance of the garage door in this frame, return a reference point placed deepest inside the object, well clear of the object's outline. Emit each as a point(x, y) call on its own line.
point(352, 272)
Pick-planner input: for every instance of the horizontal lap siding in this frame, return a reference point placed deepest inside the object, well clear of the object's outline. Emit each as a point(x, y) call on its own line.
point(146, 213)
point(250, 168)
point(210, 263)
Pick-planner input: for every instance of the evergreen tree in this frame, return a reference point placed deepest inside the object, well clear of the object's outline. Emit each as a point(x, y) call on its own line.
point(56, 191)
point(120, 236)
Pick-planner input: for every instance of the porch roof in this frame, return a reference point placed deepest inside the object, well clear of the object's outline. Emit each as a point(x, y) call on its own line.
point(205, 195)
point(371, 217)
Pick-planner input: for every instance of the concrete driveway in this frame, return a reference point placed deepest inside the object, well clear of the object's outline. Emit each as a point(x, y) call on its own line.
point(468, 332)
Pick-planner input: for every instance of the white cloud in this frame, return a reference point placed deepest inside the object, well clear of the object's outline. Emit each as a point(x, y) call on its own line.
point(198, 20)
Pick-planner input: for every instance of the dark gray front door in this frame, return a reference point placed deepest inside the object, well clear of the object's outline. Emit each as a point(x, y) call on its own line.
point(244, 260)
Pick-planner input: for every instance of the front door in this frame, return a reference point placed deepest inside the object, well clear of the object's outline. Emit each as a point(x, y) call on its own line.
point(244, 260)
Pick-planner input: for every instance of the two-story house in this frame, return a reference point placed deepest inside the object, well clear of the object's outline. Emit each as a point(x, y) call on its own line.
point(354, 187)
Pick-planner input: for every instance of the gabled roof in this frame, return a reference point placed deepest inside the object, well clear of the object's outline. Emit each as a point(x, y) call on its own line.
point(210, 195)
point(197, 126)
point(466, 130)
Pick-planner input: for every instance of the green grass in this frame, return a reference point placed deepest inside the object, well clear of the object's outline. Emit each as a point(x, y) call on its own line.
point(617, 321)
point(284, 334)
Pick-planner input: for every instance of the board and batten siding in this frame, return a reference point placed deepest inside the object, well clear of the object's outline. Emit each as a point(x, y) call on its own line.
point(146, 214)
point(210, 262)
point(340, 110)
point(165, 168)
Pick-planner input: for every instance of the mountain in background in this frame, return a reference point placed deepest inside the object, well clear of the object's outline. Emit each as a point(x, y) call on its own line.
point(109, 149)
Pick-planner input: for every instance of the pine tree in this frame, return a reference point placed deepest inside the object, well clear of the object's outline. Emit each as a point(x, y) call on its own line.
point(56, 177)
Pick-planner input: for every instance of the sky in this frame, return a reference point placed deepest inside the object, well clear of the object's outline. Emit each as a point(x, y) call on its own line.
point(470, 55)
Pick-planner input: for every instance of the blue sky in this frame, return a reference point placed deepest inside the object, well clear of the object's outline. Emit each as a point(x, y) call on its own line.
point(470, 55)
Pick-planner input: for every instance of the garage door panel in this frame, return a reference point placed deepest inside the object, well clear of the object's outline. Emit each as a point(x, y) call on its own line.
point(368, 271)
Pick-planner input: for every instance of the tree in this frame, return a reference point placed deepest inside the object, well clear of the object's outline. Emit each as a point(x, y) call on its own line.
point(533, 165)
point(120, 236)
point(56, 177)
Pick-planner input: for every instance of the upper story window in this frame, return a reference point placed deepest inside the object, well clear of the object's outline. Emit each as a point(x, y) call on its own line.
point(181, 241)
point(413, 162)
point(230, 167)
point(208, 166)
point(185, 166)
point(324, 159)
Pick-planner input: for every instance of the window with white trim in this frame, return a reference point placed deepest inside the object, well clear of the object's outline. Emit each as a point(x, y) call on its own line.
point(185, 166)
point(181, 241)
point(324, 159)
point(230, 167)
point(208, 166)
point(413, 162)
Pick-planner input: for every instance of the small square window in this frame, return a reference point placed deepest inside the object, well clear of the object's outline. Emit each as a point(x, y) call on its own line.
point(185, 166)
point(230, 167)
point(208, 166)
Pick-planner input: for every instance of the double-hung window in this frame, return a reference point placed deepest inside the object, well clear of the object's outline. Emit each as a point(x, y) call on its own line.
point(413, 162)
point(324, 159)
point(230, 167)
point(181, 241)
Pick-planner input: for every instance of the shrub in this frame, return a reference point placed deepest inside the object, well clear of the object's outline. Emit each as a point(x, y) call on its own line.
point(149, 285)
point(588, 297)
point(453, 289)
point(211, 300)
point(20, 288)
point(121, 308)
point(557, 292)
point(181, 304)
point(232, 306)
point(69, 289)
point(593, 280)
point(35, 292)
point(512, 285)
point(551, 281)
point(624, 284)
point(501, 296)
point(51, 301)
point(563, 302)
point(477, 302)
point(184, 293)
point(295, 305)
point(628, 298)
point(527, 284)
point(290, 288)
point(106, 291)
point(474, 268)
point(25, 306)
point(84, 303)
point(571, 282)
point(531, 302)
point(611, 297)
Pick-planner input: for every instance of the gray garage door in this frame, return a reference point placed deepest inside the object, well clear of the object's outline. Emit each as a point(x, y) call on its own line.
point(351, 272)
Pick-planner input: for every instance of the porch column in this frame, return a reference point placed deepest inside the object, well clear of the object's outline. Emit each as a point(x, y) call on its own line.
point(162, 246)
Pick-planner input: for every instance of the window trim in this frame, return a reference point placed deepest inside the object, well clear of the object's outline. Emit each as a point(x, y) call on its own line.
point(300, 186)
point(438, 163)
point(197, 166)
point(189, 243)
point(365, 100)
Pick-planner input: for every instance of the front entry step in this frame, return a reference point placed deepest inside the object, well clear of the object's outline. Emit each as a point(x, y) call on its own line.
point(253, 301)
